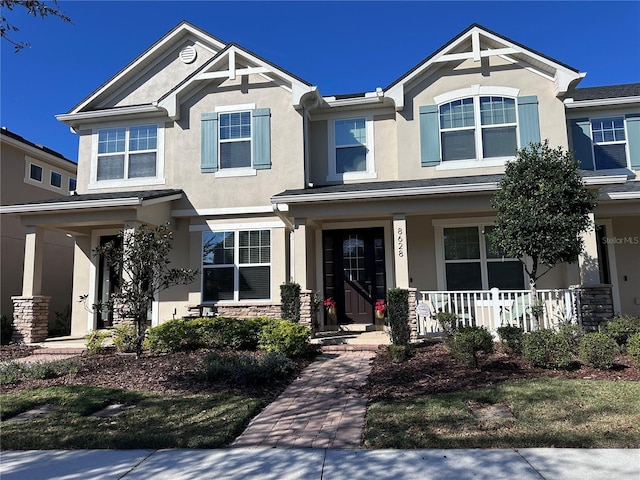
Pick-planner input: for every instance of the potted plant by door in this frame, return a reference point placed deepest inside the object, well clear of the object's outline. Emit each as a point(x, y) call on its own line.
point(330, 307)
point(381, 309)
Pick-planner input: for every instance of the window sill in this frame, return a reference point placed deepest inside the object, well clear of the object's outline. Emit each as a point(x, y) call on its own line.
point(236, 172)
point(352, 176)
point(135, 182)
point(463, 164)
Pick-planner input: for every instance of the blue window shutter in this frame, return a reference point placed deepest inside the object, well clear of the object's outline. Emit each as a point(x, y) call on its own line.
point(581, 138)
point(261, 141)
point(209, 146)
point(633, 137)
point(429, 136)
point(528, 120)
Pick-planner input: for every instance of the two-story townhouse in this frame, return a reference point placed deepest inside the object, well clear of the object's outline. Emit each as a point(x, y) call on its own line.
point(266, 181)
point(33, 173)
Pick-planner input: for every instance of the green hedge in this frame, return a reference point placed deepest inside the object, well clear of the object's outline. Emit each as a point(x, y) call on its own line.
point(547, 349)
point(622, 327)
point(398, 315)
point(511, 338)
point(597, 350)
point(467, 342)
point(286, 338)
point(633, 347)
point(290, 302)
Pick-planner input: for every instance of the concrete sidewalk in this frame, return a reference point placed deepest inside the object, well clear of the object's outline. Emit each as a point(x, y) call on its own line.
point(321, 464)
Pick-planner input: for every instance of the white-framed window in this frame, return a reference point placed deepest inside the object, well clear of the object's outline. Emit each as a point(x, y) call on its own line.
point(56, 179)
point(131, 154)
point(478, 127)
point(235, 140)
point(467, 261)
point(35, 172)
point(73, 184)
point(609, 143)
point(351, 152)
point(236, 265)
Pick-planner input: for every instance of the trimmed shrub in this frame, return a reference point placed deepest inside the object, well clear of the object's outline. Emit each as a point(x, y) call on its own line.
point(290, 302)
point(124, 338)
point(511, 338)
point(61, 324)
point(14, 372)
point(467, 342)
point(173, 336)
point(227, 333)
point(448, 322)
point(6, 330)
point(622, 327)
point(247, 369)
point(633, 348)
point(597, 350)
point(282, 336)
point(398, 315)
point(399, 353)
point(95, 341)
point(573, 334)
point(546, 349)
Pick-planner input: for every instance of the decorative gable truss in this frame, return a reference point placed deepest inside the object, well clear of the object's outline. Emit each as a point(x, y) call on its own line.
point(477, 43)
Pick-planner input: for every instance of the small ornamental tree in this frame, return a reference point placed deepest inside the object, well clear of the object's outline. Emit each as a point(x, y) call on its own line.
point(542, 207)
point(141, 257)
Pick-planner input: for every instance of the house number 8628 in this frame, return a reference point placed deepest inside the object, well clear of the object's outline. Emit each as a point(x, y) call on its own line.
point(400, 242)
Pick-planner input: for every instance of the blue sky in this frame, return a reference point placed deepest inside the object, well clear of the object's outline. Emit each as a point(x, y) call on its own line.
point(342, 47)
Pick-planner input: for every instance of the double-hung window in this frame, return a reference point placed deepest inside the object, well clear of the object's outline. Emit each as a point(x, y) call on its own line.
point(471, 264)
point(609, 143)
point(351, 149)
point(56, 179)
point(478, 128)
point(466, 127)
point(35, 172)
point(236, 265)
point(235, 140)
point(126, 153)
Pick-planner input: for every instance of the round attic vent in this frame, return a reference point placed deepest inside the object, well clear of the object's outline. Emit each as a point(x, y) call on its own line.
point(188, 54)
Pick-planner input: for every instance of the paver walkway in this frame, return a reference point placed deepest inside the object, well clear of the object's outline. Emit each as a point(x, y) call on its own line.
point(322, 408)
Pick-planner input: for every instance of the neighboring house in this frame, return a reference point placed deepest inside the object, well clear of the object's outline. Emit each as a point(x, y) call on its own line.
point(265, 181)
point(32, 173)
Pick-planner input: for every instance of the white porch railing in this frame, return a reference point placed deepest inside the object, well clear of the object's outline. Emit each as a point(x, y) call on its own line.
point(494, 308)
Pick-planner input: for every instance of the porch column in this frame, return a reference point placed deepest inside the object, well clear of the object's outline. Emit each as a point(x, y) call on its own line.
point(128, 229)
point(31, 309)
point(299, 253)
point(588, 259)
point(400, 256)
point(33, 259)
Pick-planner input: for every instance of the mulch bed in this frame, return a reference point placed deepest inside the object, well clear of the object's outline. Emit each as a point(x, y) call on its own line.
point(176, 373)
point(432, 370)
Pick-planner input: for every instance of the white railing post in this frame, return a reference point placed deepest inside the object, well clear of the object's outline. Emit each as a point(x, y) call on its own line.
point(495, 302)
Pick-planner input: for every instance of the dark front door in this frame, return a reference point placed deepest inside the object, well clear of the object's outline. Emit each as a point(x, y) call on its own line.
point(354, 272)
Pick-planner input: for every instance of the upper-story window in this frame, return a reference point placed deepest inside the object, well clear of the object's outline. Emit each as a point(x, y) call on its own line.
point(478, 128)
point(128, 155)
point(236, 140)
point(73, 183)
point(56, 179)
point(609, 143)
point(351, 149)
point(35, 172)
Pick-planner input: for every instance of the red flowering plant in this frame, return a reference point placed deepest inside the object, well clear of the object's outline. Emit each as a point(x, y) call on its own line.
point(381, 307)
point(329, 303)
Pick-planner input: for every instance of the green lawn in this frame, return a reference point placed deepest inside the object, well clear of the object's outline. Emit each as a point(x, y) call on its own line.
point(157, 421)
point(548, 413)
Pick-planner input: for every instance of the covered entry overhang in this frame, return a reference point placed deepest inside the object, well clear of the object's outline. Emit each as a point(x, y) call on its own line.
point(409, 213)
point(82, 217)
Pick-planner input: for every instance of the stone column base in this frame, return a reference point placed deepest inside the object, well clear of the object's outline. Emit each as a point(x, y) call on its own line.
point(30, 319)
point(595, 305)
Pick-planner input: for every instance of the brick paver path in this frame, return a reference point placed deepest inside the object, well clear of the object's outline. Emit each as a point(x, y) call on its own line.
point(322, 408)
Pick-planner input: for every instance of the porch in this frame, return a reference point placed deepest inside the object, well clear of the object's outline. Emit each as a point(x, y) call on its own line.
point(495, 308)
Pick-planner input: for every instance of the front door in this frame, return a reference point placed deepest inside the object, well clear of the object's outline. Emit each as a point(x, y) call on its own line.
point(354, 272)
